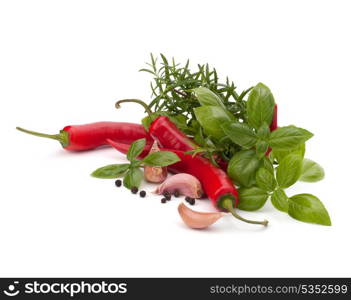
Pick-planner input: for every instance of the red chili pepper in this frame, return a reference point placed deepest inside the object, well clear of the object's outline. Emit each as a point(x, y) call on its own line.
point(274, 124)
point(164, 131)
point(215, 182)
point(93, 135)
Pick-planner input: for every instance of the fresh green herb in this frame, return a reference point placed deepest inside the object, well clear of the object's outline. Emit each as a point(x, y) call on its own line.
point(111, 171)
point(252, 198)
point(280, 154)
point(308, 208)
point(280, 200)
point(260, 106)
point(288, 137)
point(133, 178)
point(160, 159)
point(131, 171)
point(265, 180)
point(174, 88)
point(311, 171)
point(211, 118)
point(243, 166)
point(240, 133)
point(289, 170)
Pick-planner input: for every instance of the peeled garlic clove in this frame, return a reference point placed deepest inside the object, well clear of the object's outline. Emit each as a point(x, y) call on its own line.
point(155, 174)
point(185, 184)
point(198, 220)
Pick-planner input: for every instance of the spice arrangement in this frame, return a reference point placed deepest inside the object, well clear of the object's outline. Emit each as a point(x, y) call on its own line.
point(202, 139)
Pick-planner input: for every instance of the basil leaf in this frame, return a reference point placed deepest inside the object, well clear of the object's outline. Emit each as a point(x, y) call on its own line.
point(260, 106)
point(268, 165)
point(243, 166)
point(311, 171)
point(252, 198)
point(110, 171)
point(263, 132)
point(280, 154)
point(280, 200)
point(133, 178)
point(135, 149)
point(211, 118)
point(160, 159)
point(240, 133)
point(261, 148)
point(265, 180)
point(207, 97)
point(308, 208)
point(285, 138)
point(289, 170)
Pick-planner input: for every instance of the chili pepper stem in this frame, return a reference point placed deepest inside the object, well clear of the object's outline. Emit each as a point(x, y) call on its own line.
point(142, 103)
point(62, 137)
point(227, 203)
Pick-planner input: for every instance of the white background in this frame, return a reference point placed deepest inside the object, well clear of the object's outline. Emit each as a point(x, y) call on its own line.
point(66, 62)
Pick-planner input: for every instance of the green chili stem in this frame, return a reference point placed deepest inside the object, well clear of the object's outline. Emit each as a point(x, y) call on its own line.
point(142, 103)
point(227, 204)
point(62, 137)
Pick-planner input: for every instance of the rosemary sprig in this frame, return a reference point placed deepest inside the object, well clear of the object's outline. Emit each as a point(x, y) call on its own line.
point(173, 83)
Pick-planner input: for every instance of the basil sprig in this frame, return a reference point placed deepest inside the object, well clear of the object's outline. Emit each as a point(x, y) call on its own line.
point(261, 177)
point(131, 172)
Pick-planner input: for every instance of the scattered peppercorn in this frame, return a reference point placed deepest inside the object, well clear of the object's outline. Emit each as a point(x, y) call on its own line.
point(168, 196)
point(176, 193)
point(118, 182)
point(190, 200)
point(142, 194)
point(134, 189)
point(163, 200)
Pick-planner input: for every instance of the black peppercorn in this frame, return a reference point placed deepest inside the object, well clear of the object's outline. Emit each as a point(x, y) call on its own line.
point(192, 201)
point(118, 182)
point(142, 194)
point(163, 200)
point(176, 193)
point(134, 189)
point(166, 194)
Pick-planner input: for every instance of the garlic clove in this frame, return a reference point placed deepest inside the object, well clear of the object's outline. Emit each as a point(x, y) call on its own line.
point(185, 184)
point(198, 220)
point(155, 174)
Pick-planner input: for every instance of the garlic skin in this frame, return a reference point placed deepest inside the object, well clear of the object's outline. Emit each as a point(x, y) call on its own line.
point(185, 184)
point(198, 220)
point(155, 174)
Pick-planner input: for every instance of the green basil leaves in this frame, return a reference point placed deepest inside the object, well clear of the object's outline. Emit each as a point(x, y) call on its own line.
point(260, 106)
point(111, 171)
point(311, 171)
point(308, 208)
point(243, 166)
point(241, 134)
point(280, 200)
point(135, 149)
point(133, 176)
point(252, 198)
point(288, 137)
point(289, 170)
point(160, 159)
